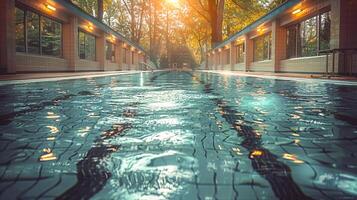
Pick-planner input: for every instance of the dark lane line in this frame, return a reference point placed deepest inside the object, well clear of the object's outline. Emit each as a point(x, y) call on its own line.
point(153, 78)
point(6, 119)
point(91, 175)
point(277, 173)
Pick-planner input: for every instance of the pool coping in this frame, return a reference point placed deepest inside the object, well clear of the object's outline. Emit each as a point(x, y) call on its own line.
point(282, 77)
point(70, 77)
point(230, 73)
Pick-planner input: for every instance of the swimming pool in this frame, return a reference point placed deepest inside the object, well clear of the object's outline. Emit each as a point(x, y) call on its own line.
point(186, 135)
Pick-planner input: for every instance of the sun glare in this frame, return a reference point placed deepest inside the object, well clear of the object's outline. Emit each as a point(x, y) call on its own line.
point(173, 1)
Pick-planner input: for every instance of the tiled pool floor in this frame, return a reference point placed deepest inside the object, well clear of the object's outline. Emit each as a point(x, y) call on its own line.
point(183, 135)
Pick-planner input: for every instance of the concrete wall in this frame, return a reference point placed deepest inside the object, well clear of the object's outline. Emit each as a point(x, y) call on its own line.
point(314, 64)
point(36, 63)
point(227, 67)
point(88, 65)
point(109, 66)
point(239, 67)
point(263, 66)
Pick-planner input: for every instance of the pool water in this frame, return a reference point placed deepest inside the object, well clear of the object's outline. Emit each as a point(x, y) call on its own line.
point(178, 135)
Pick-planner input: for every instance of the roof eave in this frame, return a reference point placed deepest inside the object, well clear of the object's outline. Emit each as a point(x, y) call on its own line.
point(79, 12)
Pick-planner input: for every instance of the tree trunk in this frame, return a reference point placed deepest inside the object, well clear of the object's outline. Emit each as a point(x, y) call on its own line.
point(215, 10)
point(132, 21)
point(100, 10)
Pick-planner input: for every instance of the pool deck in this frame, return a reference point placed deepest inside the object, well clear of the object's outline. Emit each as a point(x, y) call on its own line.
point(55, 76)
point(287, 75)
point(52, 76)
point(27, 76)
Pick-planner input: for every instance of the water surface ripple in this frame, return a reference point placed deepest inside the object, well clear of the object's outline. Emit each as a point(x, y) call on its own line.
point(178, 135)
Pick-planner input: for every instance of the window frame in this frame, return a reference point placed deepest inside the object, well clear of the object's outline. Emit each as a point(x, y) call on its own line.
point(298, 39)
point(218, 58)
point(125, 55)
point(24, 32)
point(296, 42)
point(112, 53)
point(269, 49)
point(132, 57)
point(227, 53)
point(319, 30)
point(61, 37)
point(95, 45)
point(39, 33)
point(304, 48)
point(26, 9)
point(240, 46)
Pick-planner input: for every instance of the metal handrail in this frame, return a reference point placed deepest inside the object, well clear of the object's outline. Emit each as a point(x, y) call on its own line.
point(343, 51)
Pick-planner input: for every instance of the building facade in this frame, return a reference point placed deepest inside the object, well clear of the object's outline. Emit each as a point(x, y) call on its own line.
point(56, 35)
point(304, 36)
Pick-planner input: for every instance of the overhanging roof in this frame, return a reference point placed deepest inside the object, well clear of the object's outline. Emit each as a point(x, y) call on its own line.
point(79, 12)
point(268, 17)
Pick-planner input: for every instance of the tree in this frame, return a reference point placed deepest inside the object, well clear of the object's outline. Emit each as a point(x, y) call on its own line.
point(100, 10)
point(228, 16)
point(136, 10)
point(216, 11)
point(90, 6)
point(159, 26)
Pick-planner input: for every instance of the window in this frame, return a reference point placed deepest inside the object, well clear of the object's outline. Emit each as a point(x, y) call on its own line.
point(325, 31)
point(50, 37)
point(132, 57)
point(81, 45)
point(86, 46)
point(20, 30)
point(33, 32)
point(292, 42)
point(309, 36)
point(262, 48)
point(240, 53)
point(110, 51)
point(124, 55)
point(37, 34)
point(228, 56)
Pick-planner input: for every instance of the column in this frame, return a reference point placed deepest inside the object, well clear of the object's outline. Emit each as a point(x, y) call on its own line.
point(215, 60)
point(136, 60)
point(131, 67)
point(118, 54)
point(278, 45)
point(245, 37)
point(100, 51)
point(7, 37)
point(346, 12)
point(207, 58)
point(233, 52)
point(249, 53)
point(343, 32)
point(70, 43)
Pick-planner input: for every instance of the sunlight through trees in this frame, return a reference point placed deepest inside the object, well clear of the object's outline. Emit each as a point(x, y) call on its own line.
point(159, 25)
